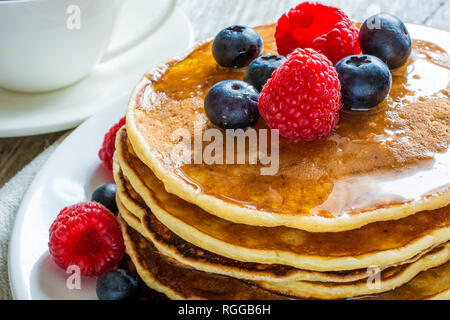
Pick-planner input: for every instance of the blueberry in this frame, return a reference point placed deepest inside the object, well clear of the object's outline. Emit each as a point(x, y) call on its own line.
point(237, 46)
point(386, 37)
point(365, 80)
point(117, 285)
point(261, 70)
point(232, 104)
point(106, 195)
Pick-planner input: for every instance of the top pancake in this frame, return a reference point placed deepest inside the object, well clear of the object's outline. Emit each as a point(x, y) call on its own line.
point(380, 165)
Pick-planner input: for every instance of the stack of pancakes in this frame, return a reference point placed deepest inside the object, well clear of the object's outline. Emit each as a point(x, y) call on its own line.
point(364, 213)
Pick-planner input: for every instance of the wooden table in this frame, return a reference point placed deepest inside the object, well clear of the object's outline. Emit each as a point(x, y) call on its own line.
point(210, 16)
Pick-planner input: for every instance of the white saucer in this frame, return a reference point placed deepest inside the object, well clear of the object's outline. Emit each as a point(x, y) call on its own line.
point(31, 114)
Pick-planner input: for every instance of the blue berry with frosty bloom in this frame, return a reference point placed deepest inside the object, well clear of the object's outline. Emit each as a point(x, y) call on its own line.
point(237, 46)
point(232, 104)
point(262, 68)
point(117, 285)
point(365, 81)
point(386, 37)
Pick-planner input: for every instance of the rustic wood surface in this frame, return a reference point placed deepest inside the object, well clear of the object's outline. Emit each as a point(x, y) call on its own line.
point(210, 16)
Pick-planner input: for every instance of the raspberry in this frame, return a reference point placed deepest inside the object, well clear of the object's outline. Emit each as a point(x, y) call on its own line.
point(322, 28)
point(303, 98)
point(106, 153)
point(65, 215)
point(86, 235)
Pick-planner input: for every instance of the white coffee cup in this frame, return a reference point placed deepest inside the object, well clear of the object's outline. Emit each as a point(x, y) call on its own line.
point(50, 44)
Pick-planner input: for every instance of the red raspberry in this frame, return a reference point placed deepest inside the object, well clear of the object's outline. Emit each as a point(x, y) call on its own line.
point(86, 235)
point(106, 153)
point(303, 98)
point(323, 28)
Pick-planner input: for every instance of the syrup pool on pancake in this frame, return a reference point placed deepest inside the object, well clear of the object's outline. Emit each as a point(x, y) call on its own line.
point(372, 160)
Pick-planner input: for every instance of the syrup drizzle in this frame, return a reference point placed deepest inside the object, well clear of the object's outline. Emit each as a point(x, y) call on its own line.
point(395, 153)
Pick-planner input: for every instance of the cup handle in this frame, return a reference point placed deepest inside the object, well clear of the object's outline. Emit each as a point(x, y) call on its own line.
point(149, 30)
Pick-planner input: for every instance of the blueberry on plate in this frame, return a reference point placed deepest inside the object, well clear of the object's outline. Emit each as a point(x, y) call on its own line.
point(117, 285)
point(365, 81)
point(232, 104)
point(261, 70)
point(106, 195)
point(386, 37)
point(237, 46)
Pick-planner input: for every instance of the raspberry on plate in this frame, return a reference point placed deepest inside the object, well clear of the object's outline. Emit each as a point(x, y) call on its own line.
point(303, 98)
point(106, 153)
point(88, 236)
point(323, 28)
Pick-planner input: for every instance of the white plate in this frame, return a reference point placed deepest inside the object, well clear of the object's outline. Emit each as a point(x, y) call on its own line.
point(69, 177)
point(30, 114)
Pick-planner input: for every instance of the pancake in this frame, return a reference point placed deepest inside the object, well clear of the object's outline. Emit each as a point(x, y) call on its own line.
point(433, 284)
point(383, 243)
point(182, 284)
point(389, 280)
point(132, 206)
point(179, 283)
point(445, 295)
point(381, 165)
point(194, 257)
